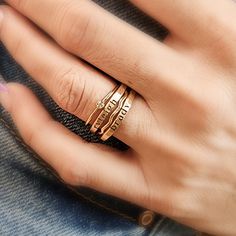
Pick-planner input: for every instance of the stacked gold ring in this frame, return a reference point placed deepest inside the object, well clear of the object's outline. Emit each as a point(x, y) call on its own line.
point(111, 111)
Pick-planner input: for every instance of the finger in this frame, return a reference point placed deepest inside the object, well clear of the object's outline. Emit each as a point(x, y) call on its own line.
point(77, 162)
point(190, 19)
point(87, 30)
point(74, 86)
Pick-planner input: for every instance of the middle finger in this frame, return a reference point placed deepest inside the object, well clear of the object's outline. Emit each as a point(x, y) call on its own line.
point(87, 30)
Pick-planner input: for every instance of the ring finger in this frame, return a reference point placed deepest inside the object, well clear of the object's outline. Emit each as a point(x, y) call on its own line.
point(75, 86)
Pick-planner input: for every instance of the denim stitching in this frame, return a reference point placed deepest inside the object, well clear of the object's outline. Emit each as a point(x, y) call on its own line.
point(61, 180)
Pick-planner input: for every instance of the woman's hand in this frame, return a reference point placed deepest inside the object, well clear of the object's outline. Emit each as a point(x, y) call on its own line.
point(182, 126)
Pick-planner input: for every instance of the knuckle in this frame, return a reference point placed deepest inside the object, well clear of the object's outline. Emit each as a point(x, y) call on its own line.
point(174, 208)
point(173, 203)
point(75, 176)
point(70, 91)
point(218, 45)
point(73, 27)
point(162, 202)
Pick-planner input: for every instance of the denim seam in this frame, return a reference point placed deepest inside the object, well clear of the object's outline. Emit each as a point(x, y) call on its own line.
point(160, 224)
point(59, 179)
point(157, 227)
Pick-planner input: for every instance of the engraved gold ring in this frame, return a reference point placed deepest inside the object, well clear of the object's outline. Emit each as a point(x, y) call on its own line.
point(110, 112)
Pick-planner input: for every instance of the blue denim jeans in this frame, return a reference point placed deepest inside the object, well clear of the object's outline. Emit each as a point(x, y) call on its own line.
point(34, 201)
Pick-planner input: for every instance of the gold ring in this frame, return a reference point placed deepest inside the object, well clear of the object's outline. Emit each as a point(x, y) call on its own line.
point(111, 118)
point(111, 104)
point(111, 111)
point(120, 117)
point(101, 104)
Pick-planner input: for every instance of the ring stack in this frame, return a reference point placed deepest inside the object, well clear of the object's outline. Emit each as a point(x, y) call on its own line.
point(111, 111)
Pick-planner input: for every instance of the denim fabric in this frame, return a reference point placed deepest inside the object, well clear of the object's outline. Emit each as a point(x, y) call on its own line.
point(33, 200)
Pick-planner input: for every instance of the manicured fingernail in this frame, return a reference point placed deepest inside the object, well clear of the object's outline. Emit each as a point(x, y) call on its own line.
point(4, 96)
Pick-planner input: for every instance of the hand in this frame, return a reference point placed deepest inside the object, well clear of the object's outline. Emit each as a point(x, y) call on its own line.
point(182, 127)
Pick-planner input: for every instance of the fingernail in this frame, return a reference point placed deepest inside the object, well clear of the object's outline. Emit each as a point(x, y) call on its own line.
point(4, 96)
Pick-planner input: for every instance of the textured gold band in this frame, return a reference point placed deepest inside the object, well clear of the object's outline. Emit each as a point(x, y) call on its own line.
point(120, 117)
point(111, 118)
point(101, 104)
point(111, 111)
point(111, 104)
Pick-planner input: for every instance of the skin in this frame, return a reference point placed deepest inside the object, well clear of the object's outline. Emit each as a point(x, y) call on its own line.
point(181, 129)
